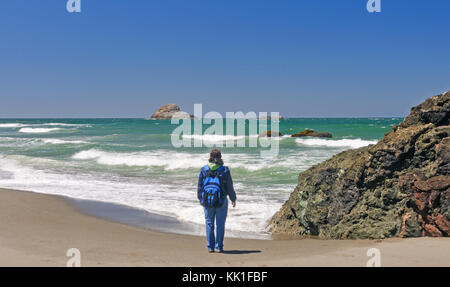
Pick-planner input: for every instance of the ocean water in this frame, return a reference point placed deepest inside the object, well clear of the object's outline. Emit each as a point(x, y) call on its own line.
point(133, 162)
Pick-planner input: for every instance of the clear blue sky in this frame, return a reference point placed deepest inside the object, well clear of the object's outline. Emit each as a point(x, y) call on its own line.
point(305, 58)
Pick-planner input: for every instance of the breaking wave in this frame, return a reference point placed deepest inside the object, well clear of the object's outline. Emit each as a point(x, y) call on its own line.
point(38, 130)
point(350, 143)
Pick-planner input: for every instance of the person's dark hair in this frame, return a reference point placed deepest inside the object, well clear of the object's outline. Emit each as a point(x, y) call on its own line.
point(215, 156)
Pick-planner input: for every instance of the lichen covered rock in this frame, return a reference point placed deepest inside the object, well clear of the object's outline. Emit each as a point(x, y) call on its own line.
point(398, 187)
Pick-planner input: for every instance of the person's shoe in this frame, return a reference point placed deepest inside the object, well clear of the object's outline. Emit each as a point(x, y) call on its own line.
point(220, 250)
point(211, 250)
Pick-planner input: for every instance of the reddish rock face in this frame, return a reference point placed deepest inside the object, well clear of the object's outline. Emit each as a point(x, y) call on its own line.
point(432, 231)
point(426, 196)
point(435, 183)
point(442, 223)
point(405, 217)
point(421, 200)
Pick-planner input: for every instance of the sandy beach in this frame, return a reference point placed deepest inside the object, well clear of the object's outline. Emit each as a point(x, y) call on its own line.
point(38, 229)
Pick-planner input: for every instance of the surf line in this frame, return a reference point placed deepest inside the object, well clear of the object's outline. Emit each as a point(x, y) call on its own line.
point(236, 127)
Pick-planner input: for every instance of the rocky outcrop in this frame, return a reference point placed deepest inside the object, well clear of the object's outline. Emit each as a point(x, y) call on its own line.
point(398, 187)
point(168, 111)
point(270, 134)
point(311, 133)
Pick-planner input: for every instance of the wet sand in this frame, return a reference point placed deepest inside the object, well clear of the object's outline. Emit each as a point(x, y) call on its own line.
point(38, 229)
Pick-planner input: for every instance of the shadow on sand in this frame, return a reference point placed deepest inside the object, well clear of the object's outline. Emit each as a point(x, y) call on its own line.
point(241, 251)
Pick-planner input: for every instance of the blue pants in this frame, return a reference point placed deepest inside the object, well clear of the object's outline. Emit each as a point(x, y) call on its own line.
point(219, 215)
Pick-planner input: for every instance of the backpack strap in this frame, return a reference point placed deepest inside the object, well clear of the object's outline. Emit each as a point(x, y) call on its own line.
point(220, 172)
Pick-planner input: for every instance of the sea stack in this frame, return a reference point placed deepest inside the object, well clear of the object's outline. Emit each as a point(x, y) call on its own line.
point(168, 111)
point(399, 187)
point(311, 133)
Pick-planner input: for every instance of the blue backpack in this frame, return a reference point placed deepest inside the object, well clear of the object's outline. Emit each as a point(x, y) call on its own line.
point(212, 191)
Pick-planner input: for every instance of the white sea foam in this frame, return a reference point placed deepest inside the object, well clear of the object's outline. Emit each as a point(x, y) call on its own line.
point(12, 125)
point(18, 142)
point(281, 138)
point(21, 125)
point(351, 143)
point(157, 197)
point(183, 160)
point(59, 141)
point(168, 160)
point(37, 130)
point(66, 125)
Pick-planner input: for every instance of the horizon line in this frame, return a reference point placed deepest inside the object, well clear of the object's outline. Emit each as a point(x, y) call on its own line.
point(142, 118)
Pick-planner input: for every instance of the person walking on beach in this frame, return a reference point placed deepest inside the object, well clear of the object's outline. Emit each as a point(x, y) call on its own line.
point(214, 185)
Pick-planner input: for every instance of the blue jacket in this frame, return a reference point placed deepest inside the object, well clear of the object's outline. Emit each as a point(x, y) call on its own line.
point(227, 183)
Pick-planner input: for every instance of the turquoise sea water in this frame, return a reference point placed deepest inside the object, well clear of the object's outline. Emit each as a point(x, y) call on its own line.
point(133, 162)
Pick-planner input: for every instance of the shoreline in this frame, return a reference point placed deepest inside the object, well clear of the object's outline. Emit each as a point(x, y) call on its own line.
point(101, 161)
point(129, 215)
point(38, 229)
